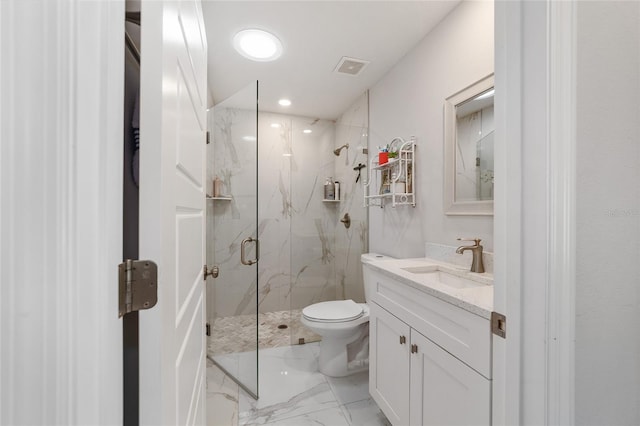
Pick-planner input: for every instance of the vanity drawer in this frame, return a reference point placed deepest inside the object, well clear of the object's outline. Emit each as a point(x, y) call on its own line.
point(465, 335)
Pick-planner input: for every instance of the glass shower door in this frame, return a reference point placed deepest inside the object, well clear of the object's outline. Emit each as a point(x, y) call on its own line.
point(233, 245)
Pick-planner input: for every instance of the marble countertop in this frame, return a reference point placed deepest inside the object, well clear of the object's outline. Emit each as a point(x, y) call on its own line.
point(477, 299)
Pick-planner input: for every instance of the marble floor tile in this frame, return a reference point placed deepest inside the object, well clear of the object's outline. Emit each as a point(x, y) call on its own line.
point(290, 385)
point(293, 392)
point(364, 412)
point(327, 417)
point(222, 398)
point(351, 388)
point(243, 366)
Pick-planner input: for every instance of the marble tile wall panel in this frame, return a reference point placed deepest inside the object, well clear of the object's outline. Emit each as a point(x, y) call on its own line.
point(313, 223)
point(235, 157)
point(352, 128)
point(306, 254)
point(274, 210)
point(296, 229)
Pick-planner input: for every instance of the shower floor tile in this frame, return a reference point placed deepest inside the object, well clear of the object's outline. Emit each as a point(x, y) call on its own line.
point(238, 333)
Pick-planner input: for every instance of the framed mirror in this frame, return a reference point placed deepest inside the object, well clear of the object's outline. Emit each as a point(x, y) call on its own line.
point(468, 150)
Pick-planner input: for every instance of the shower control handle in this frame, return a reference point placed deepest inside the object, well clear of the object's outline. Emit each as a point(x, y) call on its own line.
point(346, 220)
point(243, 258)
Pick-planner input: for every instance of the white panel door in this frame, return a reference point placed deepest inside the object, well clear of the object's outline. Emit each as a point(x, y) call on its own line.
point(172, 211)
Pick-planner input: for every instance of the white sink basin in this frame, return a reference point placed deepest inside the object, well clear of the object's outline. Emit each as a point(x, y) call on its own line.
point(431, 273)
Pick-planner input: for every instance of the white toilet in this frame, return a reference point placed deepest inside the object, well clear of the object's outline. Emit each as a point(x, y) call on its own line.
point(344, 327)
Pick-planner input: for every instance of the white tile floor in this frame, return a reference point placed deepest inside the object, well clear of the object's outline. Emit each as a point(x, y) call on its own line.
point(292, 392)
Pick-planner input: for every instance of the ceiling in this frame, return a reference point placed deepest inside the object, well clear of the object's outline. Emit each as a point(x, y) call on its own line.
point(315, 36)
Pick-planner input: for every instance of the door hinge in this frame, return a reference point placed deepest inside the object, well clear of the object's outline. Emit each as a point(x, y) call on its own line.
point(208, 137)
point(137, 285)
point(208, 328)
point(499, 324)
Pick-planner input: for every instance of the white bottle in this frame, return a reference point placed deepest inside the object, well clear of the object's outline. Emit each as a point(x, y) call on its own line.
point(329, 189)
point(217, 187)
point(336, 186)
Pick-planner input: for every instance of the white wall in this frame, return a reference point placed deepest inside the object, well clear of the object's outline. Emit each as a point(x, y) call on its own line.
point(409, 101)
point(608, 213)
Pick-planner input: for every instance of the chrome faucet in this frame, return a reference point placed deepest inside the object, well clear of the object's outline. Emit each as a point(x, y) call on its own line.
point(476, 249)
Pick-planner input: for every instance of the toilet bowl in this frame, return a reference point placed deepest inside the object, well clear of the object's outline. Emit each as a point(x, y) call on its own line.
point(344, 328)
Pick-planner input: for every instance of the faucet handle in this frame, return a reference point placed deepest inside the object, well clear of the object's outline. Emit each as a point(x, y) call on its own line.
point(475, 240)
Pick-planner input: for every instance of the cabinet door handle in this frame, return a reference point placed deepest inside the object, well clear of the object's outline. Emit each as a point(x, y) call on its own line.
point(414, 349)
point(403, 340)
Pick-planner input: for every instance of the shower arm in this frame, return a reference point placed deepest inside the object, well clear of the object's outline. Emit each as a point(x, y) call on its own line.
point(336, 152)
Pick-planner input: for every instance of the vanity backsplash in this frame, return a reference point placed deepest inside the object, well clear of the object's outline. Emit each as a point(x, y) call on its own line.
point(448, 254)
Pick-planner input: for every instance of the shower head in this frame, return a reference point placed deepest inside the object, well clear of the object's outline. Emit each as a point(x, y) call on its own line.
point(336, 152)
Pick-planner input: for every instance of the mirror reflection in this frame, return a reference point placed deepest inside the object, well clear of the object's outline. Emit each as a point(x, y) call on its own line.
point(468, 150)
point(474, 148)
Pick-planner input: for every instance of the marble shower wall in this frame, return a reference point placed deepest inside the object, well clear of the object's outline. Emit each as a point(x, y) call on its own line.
point(313, 222)
point(306, 254)
point(234, 161)
point(352, 127)
point(295, 229)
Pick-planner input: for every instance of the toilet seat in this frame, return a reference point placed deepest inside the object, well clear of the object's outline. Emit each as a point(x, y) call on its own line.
point(333, 311)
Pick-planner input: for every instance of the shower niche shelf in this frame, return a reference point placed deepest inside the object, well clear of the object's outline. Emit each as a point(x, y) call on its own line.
point(330, 201)
point(394, 181)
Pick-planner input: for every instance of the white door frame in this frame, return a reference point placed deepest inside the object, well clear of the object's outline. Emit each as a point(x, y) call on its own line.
point(61, 112)
point(507, 211)
point(561, 321)
point(535, 212)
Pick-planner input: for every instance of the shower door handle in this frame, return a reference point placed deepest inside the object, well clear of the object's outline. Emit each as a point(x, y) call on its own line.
point(243, 258)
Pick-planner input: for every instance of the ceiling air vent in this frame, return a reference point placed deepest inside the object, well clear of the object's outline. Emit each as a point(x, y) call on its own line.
point(350, 66)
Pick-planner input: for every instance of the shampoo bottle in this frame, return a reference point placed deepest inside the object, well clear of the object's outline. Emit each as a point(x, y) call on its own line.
point(329, 189)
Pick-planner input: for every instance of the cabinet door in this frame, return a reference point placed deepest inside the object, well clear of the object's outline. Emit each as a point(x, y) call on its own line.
point(444, 390)
point(389, 364)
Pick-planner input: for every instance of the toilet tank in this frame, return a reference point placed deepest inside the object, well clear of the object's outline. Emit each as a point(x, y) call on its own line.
point(366, 273)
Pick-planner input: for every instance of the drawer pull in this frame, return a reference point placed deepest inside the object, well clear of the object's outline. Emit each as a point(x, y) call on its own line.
point(403, 340)
point(414, 349)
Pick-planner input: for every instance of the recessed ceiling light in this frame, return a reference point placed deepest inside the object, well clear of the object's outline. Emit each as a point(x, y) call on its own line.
point(306, 131)
point(275, 125)
point(257, 45)
point(284, 102)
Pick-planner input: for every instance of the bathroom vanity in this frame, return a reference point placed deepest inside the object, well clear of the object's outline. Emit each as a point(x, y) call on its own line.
point(430, 342)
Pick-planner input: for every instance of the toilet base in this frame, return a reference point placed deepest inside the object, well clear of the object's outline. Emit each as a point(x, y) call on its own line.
point(333, 359)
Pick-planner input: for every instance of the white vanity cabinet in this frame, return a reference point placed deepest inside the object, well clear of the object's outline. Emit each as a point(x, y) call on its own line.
point(426, 358)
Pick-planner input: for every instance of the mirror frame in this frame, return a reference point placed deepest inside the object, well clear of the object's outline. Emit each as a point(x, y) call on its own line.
point(451, 206)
